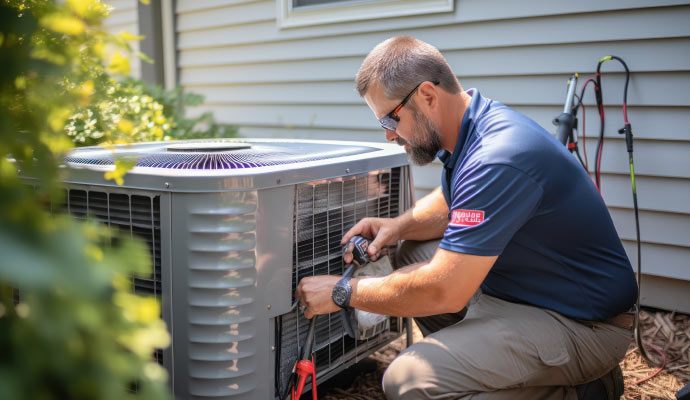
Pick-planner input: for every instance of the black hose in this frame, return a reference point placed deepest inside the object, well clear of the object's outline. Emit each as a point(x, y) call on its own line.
point(629, 142)
point(577, 153)
point(638, 334)
point(600, 109)
point(279, 335)
point(306, 355)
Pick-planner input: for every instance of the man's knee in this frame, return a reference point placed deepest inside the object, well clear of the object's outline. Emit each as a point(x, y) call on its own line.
point(400, 378)
point(422, 371)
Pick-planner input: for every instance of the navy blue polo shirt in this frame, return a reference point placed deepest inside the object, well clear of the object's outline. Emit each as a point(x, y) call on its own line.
point(514, 191)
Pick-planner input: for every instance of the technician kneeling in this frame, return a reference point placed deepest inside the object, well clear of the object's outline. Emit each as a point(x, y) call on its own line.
point(526, 244)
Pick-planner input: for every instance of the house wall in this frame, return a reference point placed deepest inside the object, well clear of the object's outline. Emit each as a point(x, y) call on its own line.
point(298, 83)
point(124, 17)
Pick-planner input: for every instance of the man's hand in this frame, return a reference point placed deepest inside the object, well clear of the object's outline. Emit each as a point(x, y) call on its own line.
point(383, 231)
point(314, 292)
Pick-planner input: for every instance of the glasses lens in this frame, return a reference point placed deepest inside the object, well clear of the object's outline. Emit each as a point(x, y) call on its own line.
point(388, 123)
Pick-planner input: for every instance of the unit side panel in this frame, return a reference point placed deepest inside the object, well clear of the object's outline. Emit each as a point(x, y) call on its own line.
point(274, 247)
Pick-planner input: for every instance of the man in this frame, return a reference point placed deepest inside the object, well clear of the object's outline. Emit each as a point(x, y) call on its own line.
point(526, 243)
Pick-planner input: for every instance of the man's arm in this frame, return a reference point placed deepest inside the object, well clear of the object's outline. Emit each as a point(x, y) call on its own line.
point(443, 285)
point(426, 220)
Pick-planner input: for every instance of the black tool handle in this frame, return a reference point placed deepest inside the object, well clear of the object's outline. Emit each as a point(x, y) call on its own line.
point(358, 245)
point(344, 314)
point(306, 355)
point(350, 270)
point(627, 131)
point(309, 340)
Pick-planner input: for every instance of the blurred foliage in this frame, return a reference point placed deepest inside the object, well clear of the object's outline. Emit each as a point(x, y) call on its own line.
point(122, 116)
point(69, 326)
point(131, 110)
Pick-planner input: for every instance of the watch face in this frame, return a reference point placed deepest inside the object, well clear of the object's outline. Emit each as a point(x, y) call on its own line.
point(339, 296)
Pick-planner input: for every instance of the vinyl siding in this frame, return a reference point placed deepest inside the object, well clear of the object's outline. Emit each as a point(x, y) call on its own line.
point(124, 17)
point(299, 83)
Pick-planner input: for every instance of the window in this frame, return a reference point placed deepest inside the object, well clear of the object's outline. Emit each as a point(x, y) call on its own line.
point(302, 3)
point(294, 13)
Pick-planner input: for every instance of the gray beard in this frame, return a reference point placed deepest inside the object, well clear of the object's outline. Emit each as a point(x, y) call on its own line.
point(423, 150)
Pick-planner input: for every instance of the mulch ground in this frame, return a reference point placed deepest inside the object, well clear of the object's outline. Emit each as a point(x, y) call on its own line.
point(668, 332)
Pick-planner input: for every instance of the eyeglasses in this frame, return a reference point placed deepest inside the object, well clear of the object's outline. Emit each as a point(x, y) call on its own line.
point(390, 120)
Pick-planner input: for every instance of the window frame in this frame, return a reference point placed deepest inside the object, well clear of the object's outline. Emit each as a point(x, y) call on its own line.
point(355, 10)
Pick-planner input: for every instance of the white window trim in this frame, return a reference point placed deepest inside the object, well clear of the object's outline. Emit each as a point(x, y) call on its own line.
point(356, 11)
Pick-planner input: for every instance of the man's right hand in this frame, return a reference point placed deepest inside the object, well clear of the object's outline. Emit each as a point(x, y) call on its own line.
point(381, 232)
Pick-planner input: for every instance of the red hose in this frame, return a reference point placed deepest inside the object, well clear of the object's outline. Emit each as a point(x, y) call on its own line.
point(663, 364)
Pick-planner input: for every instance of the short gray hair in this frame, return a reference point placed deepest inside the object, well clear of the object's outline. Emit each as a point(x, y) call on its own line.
point(402, 62)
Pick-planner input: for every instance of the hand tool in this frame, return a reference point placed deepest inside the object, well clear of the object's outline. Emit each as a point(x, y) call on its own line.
point(306, 366)
point(566, 120)
point(358, 246)
point(303, 368)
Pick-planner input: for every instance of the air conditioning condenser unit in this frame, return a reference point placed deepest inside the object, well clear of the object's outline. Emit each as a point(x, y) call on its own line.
point(232, 226)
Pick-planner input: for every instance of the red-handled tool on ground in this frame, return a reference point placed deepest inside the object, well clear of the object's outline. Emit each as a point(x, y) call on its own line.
point(304, 367)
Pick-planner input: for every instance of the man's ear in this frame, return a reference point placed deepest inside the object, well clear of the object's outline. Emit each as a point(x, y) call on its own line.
point(428, 94)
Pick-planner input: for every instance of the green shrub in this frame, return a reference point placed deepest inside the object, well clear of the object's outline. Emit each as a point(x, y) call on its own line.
point(125, 115)
point(69, 327)
point(134, 111)
point(174, 103)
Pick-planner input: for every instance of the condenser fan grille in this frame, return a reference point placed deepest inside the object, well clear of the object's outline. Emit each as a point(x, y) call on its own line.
point(324, 212)
point(218, 154)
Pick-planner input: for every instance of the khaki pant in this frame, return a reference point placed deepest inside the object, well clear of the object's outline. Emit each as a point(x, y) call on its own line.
point(501, 350)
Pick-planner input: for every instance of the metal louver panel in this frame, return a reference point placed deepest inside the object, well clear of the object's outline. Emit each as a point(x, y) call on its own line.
point(220, 353)
point(134, 215)
point(324, 211)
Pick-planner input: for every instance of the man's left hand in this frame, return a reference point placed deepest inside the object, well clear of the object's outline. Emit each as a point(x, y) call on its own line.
point(314, 292)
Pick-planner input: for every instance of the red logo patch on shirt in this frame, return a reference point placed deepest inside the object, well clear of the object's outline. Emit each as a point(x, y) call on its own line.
point(466, 217)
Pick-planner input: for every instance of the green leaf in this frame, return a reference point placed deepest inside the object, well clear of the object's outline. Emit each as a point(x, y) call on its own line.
point(144, 57)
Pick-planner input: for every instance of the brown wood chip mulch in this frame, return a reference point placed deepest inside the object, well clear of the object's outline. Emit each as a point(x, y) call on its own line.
point(667, 331)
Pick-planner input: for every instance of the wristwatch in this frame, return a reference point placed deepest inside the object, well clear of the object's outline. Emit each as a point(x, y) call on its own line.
point(342, 292)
